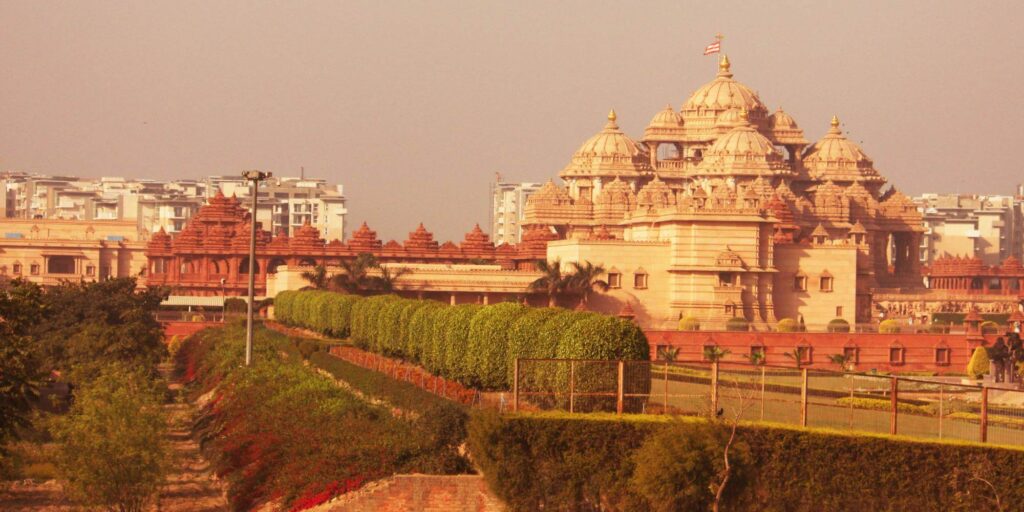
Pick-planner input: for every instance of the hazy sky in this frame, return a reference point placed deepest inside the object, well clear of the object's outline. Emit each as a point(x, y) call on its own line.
point(414, 106)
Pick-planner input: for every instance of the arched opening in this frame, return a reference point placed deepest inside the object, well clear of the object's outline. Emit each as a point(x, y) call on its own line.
point(219, 266)
point(60, 265)
point(698, 154)
point(668, 152)
point(273, 264)
point(307, 262)
point(243, 267)
point(188, 266)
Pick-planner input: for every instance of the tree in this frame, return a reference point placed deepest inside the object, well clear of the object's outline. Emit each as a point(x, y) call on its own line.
point(317, 277)
point(585, 278)
point(92, 324)
point(797, 355)
point(552, 282)
point(19, 383)
point(979, 363)
point(112, 450)
point(354, 277)
point(714, 353)
point(843, 361)
point(385, 282)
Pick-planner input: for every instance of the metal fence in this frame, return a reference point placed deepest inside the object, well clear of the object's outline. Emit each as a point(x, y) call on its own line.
point(939, 407)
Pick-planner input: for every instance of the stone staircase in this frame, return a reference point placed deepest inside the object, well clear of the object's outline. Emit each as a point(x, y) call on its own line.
point(423, 493)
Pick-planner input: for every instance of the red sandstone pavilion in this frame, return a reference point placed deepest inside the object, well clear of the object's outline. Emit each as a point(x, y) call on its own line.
point(214, 246)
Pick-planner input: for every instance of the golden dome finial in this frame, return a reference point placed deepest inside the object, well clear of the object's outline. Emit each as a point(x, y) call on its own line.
point(835, 125)
point(611, 120)
point(724, 66)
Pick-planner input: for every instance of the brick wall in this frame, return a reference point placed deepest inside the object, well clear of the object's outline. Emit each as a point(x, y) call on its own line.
point(873, 350)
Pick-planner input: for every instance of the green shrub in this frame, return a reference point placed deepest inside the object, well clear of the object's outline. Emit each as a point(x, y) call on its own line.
point(689, 323)
point(877, 404)
point(524, 337)
point(677, 466)
point(737, 324)
point(339, 312)
point(890, 326)
point(563, 462)
point(284, 309)
point(365, 320)
point(451, 347)
point(787, 325)
point(408, 348)
point(421, 334)
point(838, 325)
point(389, 328)
point(403, 395)
point(979, 363)
point(486, 353)
point(307, 347)
point(595, 336)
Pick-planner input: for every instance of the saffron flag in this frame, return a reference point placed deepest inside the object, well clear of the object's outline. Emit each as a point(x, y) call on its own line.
point(714, 47)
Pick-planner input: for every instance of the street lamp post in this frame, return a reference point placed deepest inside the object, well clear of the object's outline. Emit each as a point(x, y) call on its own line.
point(223, 301)
point(255, 177)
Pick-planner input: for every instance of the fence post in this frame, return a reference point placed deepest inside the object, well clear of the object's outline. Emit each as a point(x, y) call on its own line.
point(803, 397)
point(618, 398)
point(984, 414)
point(714, 389)
point(895, 396)
point(515, 387)
point(572, 386)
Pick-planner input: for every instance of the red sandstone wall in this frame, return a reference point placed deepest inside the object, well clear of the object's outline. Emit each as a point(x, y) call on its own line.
point(424, 493)
point(919, 354)
point(182, 329)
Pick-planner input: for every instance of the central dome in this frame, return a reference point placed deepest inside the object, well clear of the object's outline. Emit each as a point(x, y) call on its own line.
point(724, 93)
point(609, 153)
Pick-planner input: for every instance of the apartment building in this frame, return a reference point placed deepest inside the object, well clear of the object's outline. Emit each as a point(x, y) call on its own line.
point(989, 227)
point(508, 209)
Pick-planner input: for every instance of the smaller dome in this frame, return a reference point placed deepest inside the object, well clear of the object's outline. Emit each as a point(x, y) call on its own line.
point(609, 153)
point(836, 158)
point(743, 151)
point(729, 119)
point(666, 126)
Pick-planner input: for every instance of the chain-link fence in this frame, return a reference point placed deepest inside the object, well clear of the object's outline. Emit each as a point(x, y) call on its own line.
point(939, 407)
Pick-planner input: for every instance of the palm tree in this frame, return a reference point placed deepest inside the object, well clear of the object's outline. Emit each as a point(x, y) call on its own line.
point(843, 361)
point(797, 355)
point(585, 278)
point(354, 278)
point(385, 282)
point(668, 355)
point(317, 277)
point(714, 353)
point(552, 282)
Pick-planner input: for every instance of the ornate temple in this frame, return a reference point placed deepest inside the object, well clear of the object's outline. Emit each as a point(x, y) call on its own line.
point(209, 257)
point(723, 209)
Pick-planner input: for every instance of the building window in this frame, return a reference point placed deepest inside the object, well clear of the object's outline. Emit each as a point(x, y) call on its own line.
point(896, 354)
point(159, 266)
point(800, 283)
point(17, 268)
point(90, 270)
point(726, 279)
point(640, 281)
point(730, 309)
point(60, 265)
point(614, 280)
point(943, 356)
point(805, 353)
point(839, 311)
point(34, 269)
point(826, 283)
point(852, 354)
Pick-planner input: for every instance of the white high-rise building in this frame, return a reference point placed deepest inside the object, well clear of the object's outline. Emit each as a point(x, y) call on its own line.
point(508, 209)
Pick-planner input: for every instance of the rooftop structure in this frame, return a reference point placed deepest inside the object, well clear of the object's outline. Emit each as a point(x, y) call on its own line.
point(987, 227)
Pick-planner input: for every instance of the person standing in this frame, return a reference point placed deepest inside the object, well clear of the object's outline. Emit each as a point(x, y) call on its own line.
point(998, 354)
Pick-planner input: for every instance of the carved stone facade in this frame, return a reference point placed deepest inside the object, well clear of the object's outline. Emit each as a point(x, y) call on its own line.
point(214, 246)
point(724, 176)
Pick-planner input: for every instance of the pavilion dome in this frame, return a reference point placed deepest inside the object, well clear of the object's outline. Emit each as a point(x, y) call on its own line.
point(666, 126)
point(609, 153)
point(743, 151)
point(837, 158)
point(784, 130)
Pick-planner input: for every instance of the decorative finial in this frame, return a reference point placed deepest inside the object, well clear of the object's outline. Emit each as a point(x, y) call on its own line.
point(724, 66)
point(744, 115)
point(835, 126)
point(611, 120)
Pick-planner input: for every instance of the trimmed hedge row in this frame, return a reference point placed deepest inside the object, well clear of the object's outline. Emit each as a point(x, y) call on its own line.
point(561, 462)
point(471, 344)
